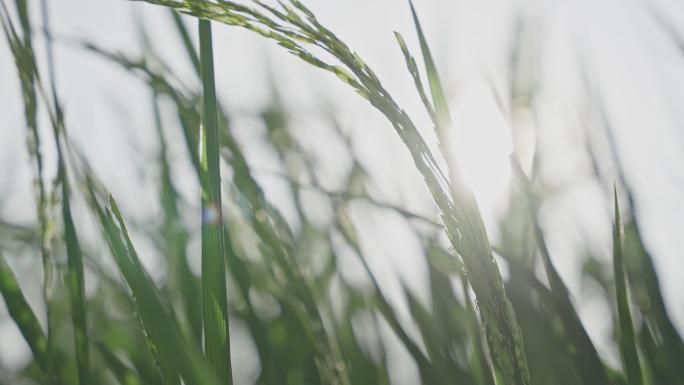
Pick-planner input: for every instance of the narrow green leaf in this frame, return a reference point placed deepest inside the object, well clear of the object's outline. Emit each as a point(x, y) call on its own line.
point(76, 285)
point(214, 297)
point(415, 73)
point(438, 96)
point(158, 323)
point(23, 315)
point(666, 360)
point(628, 348)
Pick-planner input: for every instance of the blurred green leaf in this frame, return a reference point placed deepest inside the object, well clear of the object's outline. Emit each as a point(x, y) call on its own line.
point(628, 349)
point(22, 314)
point(214, 298)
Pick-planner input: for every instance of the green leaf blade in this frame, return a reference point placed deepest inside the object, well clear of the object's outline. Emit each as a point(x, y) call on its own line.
point(76, 280)
point(174, 351)
point(438, 96)
point(627, 339)
point(214, 297)
point(23, 315)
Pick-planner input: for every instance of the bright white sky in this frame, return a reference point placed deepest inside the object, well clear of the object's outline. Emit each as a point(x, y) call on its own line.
point(639, 72)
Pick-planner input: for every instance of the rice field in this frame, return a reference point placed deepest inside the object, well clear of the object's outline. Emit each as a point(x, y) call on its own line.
point(242, 292)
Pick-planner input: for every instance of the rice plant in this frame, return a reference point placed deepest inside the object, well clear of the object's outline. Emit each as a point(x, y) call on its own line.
point(282, 282)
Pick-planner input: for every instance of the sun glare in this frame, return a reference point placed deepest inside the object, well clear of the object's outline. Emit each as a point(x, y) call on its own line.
point(483, 142)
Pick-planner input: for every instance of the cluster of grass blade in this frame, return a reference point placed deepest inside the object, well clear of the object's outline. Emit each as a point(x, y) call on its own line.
point(308, 323)
point(295, 27)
